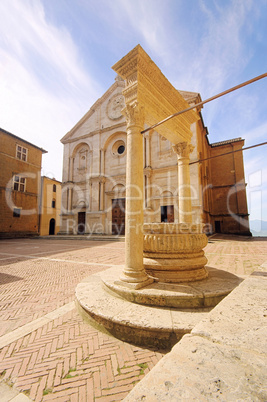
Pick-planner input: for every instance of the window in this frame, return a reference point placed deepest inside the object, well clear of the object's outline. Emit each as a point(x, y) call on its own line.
point(121, 149)
point(19, 183)
point(16, 213)
point(53, 203)
point(118, 148)
point(54, 188)
point(22, 153)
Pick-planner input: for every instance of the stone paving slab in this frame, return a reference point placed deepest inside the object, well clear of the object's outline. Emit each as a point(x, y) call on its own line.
point(224, 357)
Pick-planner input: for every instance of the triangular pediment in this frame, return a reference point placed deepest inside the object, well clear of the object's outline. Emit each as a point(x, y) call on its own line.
point(105, 112)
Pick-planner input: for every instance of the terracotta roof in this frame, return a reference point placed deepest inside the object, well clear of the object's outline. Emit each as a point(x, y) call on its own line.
point(217, 144)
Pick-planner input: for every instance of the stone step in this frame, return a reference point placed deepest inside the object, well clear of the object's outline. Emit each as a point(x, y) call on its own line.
point(141, 324)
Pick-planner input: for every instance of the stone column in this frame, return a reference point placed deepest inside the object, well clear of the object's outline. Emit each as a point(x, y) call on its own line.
point(134, 274)
point(102, 193)
point(183, 149)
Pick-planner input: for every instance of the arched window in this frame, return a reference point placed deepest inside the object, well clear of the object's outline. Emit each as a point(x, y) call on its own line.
point(54, 188)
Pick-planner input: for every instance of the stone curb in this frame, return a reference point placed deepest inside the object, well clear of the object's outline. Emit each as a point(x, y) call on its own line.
point(224, 357)
point(9, 394)
point(33, 325)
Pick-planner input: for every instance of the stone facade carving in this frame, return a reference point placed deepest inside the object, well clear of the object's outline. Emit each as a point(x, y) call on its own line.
point(115, 106)
point(156, 93)
point(135, 115)
point(183, 149)
point(172, 253)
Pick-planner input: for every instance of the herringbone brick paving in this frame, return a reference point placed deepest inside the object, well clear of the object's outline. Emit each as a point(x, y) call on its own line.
point(67, 359)
point(34, 286)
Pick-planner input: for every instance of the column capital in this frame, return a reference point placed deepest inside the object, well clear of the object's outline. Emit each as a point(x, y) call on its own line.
point(183, 149)
point(148, 133)
point(102, 179)
point(148, 171)
point(135, 115)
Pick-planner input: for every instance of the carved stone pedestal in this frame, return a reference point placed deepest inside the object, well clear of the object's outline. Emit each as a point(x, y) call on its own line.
point(174, 252)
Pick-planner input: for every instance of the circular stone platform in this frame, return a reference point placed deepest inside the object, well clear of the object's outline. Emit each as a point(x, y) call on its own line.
point(158, 315)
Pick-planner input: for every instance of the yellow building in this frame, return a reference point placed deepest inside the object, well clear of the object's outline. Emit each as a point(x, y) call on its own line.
point(20, 184)
point(50, 206)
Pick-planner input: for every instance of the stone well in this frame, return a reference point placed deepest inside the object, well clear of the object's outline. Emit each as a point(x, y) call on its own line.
point(174, 252)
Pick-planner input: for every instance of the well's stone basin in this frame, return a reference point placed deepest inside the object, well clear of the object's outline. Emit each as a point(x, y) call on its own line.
point(174, 252)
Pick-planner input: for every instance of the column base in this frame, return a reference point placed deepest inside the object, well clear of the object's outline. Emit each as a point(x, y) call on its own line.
point(126, 282)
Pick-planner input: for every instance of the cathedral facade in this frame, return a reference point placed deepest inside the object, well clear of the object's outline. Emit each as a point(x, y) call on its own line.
point(94, 169)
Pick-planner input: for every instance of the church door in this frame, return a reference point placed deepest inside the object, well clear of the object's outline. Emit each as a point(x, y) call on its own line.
point(81, 222)
point(118, 216)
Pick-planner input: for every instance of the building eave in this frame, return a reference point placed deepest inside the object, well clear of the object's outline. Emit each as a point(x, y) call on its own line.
point(25, 141)
point(226, 142)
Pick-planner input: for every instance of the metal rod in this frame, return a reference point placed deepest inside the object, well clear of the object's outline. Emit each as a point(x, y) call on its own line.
point(227, 153)
point(259, 77)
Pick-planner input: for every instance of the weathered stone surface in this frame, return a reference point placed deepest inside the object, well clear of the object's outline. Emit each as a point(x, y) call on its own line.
point(197, 294)
point(224, 357)
point(200, 370)
point(244, 313)
point(173, 255)
point(145, 316)
point(132, 322)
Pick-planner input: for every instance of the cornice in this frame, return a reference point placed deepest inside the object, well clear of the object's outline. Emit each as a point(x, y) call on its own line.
point(146, 84)
point(98, 131)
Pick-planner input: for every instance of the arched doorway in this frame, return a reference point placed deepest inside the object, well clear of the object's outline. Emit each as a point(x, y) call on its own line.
point(52, 225)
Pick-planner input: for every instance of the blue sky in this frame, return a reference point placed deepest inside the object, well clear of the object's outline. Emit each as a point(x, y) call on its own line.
point(56, 58)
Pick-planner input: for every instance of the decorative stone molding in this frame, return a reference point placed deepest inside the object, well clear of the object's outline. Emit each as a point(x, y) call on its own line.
point(102, 179)
point(173, 228)
point(134, 114)
point(183, 149)
point(115, 106)
point(148, 171)
point(173, 255)
point(145, 83)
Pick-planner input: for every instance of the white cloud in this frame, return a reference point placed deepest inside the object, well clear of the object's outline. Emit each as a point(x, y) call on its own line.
point(221, 51)
point(148, 19)
point(44, 89)
point(29, 37)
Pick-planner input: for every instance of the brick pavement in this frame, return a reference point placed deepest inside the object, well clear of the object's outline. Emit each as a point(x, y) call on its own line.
point(236, 254)
point(65, 359)
point(41, 282)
